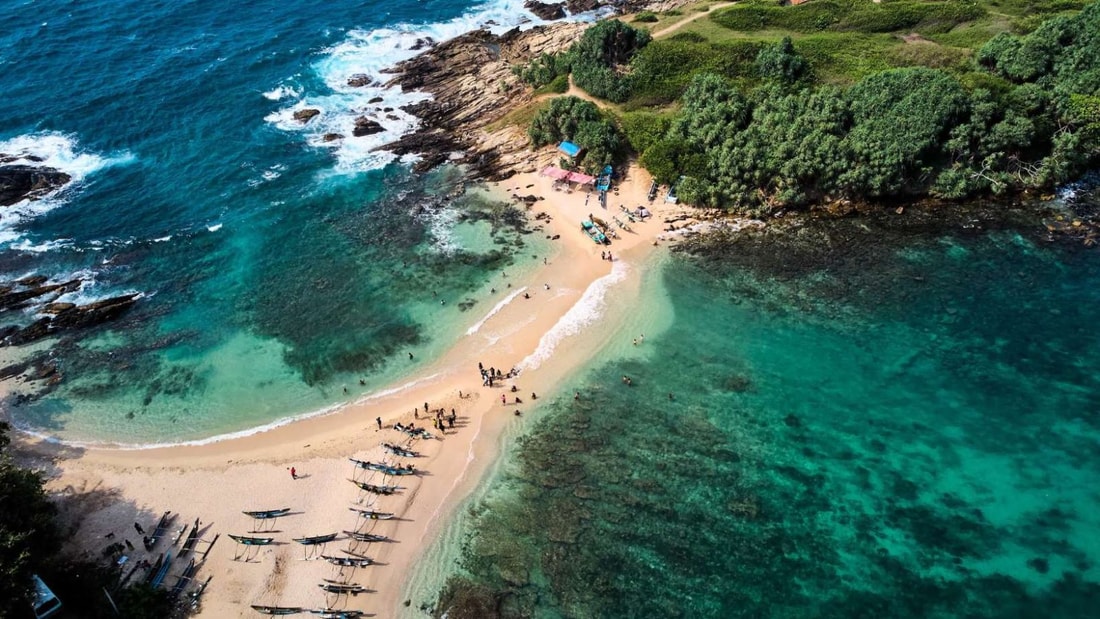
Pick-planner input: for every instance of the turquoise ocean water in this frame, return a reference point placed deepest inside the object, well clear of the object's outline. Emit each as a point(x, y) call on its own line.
point(276, 268)
point(907, 429)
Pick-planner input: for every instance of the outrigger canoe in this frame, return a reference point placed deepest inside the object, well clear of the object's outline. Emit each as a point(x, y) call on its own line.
point(251, 541)
point(269, 513)
point(316, 539)
point(383, 468)
point(348, 561)
point(328, 613)
point(371, 514)
point(397, 450)
point(375, 489)
point(366, 537)
point(278, 610)
point(341, 588)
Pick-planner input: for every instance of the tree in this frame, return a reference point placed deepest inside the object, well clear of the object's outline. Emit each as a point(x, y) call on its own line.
point(780, 62)
point(28, 534)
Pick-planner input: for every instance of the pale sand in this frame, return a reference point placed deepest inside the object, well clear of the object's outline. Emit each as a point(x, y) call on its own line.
point(215, 482)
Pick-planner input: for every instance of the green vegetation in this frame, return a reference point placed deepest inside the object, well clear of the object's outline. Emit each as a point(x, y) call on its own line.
point(849, 15)
point(576, 120)
point(647, 17)
point(846, 98)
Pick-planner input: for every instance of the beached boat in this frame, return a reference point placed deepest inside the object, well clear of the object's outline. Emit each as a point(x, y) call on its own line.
point(375, 489)
point(348, 561)
point(594, 232)
point(371, 514)
point(278, 610)
point(413, 431)
point(398, 450)
point(251, 541)
point(329, 613)
point(269, 513)
point(341, 588)
point(384, 468)
point(315, 539)
point(366, 537)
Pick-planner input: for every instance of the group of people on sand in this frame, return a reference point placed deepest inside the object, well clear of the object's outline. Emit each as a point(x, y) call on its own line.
point(606, 255)
point(490, 376)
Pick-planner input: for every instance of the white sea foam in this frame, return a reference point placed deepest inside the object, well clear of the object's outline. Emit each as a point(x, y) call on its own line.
point(163, 239)
point(229, 435)
point(496, 308)
point(214, 228)
point(51, 150)
point(283, 91)
point(584, 312)
point(368, 53)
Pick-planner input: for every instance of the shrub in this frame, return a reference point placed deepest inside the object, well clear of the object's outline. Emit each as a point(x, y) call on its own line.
point(646, 17)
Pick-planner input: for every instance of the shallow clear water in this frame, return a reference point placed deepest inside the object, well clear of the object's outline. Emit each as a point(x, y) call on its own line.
point(909, 436)
point(276, 267)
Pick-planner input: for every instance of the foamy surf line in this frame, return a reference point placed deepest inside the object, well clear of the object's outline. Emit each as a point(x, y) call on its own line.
point(218, 438)
point(496, 308)
point(583, 313)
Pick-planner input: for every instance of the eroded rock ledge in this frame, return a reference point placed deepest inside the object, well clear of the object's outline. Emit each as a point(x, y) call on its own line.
point(471, 80)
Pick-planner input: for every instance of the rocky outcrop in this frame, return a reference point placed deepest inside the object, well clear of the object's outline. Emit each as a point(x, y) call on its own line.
point(14, 299)
point(548, 12)
point(471, 80)
point(306, 115)
point(22, 182)
point(359, 80)
point(582, 6)
point(366, 126)
point(332, 137)
point(69, 318)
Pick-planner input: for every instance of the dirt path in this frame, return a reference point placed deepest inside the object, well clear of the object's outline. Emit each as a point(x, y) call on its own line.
point(687, 20)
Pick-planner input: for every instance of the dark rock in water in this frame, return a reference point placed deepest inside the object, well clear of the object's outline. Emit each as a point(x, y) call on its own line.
point(75, 317)
point(423, 43)
point(359, 80)
point(57, 308)
point(20, 182)
point(332, 137)
point(17, 299)
point(33, 280)
point(548, 12)
point(581, 6)
point(387, 109)
point(366, 126)
point(375, 100)
point(792, 421)
point(304, 116)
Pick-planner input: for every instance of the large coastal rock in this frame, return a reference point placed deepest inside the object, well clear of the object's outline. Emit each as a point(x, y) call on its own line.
point(548, 12)
point(471, 80)
point(20, 182)
point(10, 298)
point(64, 317)
point(305, 115)
point(366, 126)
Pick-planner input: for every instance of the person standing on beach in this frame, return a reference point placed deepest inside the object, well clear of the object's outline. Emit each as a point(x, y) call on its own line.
point(293, 473)
point(503, 400)
point(379, 420)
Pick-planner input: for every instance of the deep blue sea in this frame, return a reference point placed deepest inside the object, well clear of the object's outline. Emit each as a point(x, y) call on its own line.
point(276, 268)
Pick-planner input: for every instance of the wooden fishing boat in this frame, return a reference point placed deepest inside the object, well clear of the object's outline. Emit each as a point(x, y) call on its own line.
point(411, 431)
point(341, 588)
point(268, 513)
point(159, 578)
point(384, 468)
point(398, 450)
point(316, 539)
point(251, 541)
point(370, 514)
point(153, 571)
point(192, 539)
point(277, 610)
point(348, 561)
point(375, 489)
point(329, 613)
point(366, 537)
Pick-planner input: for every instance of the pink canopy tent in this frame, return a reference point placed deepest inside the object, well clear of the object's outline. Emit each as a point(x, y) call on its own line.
point(565, 175)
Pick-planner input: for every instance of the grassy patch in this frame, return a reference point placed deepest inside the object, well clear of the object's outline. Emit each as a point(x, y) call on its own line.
point(520, 117)
point(662, 70)
point(844, 58)
point(559, 85)
point(849, 16)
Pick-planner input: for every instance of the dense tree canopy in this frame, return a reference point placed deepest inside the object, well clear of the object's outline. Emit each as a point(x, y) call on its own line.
point(577, 120)
point(28, 535)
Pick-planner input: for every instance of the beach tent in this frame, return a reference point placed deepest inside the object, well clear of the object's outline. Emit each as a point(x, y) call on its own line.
point(565, 175)
point(570, 149)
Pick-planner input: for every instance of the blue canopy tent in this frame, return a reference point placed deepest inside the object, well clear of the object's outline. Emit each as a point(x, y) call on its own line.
point(570, 149)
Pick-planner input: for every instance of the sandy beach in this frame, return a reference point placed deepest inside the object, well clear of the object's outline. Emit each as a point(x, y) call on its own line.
point(545, 336)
